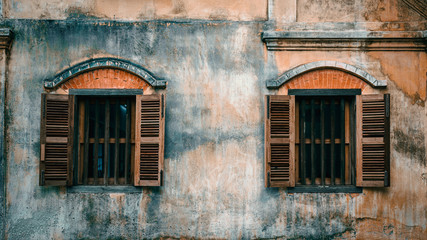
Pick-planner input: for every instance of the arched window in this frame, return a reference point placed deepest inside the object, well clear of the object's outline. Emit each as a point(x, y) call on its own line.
point(321, 131)
point(102, 123)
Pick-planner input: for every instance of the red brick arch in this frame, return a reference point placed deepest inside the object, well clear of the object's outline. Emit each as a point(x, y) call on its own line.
point(326, 79)
point(105, 78)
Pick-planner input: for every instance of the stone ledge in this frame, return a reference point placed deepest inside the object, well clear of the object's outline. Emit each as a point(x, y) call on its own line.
point(288, 75)
point(345, 40)
point(105, 63)
point(324, 189)
point(104, 189)
point(6, 37)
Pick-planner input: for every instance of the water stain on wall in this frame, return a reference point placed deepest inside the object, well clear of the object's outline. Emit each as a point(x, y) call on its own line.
point(411, 143)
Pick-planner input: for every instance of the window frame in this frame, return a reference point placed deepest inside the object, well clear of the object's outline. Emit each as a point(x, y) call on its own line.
point(77, 155)
point(341, 93)
point(372, 149)
point(352, 188)
point(118, 154)
point(58, 120)
point(313, 160)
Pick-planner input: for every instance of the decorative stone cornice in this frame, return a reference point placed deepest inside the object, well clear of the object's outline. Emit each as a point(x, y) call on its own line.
point(288, 75)
point(345, 41)
point(6, 37)
point(105, 63)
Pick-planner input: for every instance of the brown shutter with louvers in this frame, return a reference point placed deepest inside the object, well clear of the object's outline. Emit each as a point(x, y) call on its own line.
point(149, 142)
point(280, 141)
point(373, 140)
point(56, 139)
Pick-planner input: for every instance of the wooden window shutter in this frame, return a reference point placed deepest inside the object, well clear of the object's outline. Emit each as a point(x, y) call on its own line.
point(149, 140)
point(373, 140)
point(56, 139)
point(280, 141)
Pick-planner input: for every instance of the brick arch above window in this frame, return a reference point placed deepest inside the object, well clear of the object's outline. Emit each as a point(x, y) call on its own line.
point(326, 78)
point(334, 68)
point(105, 73)
point(105, 78)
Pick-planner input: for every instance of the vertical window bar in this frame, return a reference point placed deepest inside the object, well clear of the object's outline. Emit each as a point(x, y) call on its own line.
point(127, 143)
point(302, 141)
point(86, 143)
point(342, 150)
point(116, 152)
point(106, 140)
point(313, 175)
point(96, 144)
point(322, 140)
point(333, 141)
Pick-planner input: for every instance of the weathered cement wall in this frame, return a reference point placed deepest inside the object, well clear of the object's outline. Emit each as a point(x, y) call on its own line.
point(394, 14)
point(312, 15)
point(3, 67)
point(214, 153)
point(342, 11)
point(243, 10)
point(213, 182)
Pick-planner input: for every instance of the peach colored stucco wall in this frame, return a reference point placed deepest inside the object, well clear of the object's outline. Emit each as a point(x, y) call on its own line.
point(214, 159)
point(242, 10)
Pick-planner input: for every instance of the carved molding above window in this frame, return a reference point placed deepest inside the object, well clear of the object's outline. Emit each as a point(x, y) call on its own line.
point(292, 73)
point(105, 63)
point(6, 37)
point(345, 40)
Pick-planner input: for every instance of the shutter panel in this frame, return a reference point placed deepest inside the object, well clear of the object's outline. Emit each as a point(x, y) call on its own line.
point(149, 140)
point(373, 140)
point(280, 141)
point(56, 139)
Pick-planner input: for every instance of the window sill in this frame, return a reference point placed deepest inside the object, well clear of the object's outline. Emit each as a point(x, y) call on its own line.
point(104, 189)
point(325, 189)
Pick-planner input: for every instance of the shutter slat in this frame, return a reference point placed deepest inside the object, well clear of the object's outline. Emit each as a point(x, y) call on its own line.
point(56, 139)
point(149, 143)
point(373, 132)
point(279, 141)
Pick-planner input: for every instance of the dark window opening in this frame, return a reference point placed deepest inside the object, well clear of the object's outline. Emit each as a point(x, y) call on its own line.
point(325, 140)
point(105, 140)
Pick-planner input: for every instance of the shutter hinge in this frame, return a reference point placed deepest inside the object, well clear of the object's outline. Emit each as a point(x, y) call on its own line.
point(42, 177)
point(268, 179)
point(387, 105)
point(386, 179)
point(268, 107)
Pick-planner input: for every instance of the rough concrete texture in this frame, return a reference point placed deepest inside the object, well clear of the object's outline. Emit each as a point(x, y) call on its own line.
point(389, 12)
point(346, 15)
point(135, 10)
point(3, 64)
point(214, 153)
point(355, 11)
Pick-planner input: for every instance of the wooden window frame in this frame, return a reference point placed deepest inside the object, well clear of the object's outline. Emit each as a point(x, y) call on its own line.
point(82, 139)
point(60, 139)
point(368, 139)
point(346, 105)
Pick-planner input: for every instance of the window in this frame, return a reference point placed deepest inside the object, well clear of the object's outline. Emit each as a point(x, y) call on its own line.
point(324, 140)
point(106, 131)
point(102, 137)
point(350, 133)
